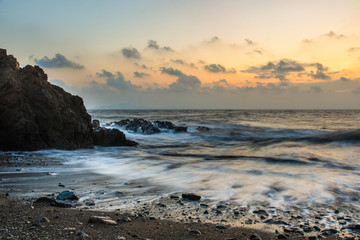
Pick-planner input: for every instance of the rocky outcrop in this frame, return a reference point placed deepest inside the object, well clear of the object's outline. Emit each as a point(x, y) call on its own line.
point(35, 114)
point(139, 125)
point(111, 137)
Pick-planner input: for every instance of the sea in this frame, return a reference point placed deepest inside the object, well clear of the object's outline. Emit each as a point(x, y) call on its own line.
point(280, 158)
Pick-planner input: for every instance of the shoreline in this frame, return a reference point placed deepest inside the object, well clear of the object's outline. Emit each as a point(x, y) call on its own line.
point(325, 222)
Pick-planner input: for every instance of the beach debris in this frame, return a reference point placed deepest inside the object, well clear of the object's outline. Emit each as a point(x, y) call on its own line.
point(191, 196)
point(68, 195)
point(102, 219)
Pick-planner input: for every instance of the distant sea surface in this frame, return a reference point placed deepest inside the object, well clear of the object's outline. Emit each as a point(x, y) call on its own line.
point(282, 158)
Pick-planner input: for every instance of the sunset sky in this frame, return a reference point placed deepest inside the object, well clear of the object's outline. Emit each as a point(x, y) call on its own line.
point(232, 54)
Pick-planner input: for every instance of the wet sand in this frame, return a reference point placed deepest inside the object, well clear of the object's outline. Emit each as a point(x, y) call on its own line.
point(165, 217)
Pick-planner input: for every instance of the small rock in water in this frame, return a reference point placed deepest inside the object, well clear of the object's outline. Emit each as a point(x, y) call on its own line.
point(90, 203)
point(102, 219)
point(20, 169)
point(67, 195)
point(191, 196)
point(202, 129)
point(61, 185)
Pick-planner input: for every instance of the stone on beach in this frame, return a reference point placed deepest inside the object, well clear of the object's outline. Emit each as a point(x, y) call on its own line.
point(67, 195)
point(191, 196)
point(102, 219)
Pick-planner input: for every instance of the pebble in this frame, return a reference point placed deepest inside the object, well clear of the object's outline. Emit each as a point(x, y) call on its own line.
point(255, 237)
point(191, 196)
point(100, 219)
point(220, 226)
point(81, 235)
point(67, 195)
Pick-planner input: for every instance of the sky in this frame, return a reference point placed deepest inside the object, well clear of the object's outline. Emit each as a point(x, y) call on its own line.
point(198, 54)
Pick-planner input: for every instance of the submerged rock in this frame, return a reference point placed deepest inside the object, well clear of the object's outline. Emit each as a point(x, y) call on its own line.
point(35, 114)
point(111, 137)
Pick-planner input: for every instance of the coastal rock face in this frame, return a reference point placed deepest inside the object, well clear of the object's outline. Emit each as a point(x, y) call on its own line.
point(35, 114)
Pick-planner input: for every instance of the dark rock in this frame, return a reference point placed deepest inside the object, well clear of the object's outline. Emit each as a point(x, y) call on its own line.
point(35, 114)
point(248, 221)
point(164, 125)
point(220, 226)
point(44, 200)
point(180, 129)
point(203, 205)
point(174, 197)
point(81, 235)
point(202, 129)
point(191, 196)
point(255, 237)
point(67, 195)
point(138, 125)
point(111, 137)
point(282, 236)
point(101, 219)
point(329, 232)
point(221, 207)
point(353, 227)
point(90, 203)
point(312, 238)
point(261, 212)
point(95, 124)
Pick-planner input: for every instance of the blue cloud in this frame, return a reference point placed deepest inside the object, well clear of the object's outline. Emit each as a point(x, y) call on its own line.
point(59, 61)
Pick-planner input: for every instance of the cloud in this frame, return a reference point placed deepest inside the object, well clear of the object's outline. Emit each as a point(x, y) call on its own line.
point(217, 68)
point(141, 74)
point(213, 40)
point(182, 62)
point(117, 81)
point(152, 44)
point(130, 53)
point(276, 70)
point(319, 66)
point(171, 71)
point(354, 49)
point(334, 35)
point(249, 41)
point(59, 61)
point(319, 75)
point(344, 79)
point(185, 83)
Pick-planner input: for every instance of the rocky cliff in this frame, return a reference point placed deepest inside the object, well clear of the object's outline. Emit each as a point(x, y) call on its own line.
point(35, 114)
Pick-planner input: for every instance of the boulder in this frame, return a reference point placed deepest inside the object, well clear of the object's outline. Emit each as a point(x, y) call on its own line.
point(67, 195)
point(35, 114)
point(138, 125)
point(111, 137)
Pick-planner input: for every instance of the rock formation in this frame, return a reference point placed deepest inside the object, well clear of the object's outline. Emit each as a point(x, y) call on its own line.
point(35, 114)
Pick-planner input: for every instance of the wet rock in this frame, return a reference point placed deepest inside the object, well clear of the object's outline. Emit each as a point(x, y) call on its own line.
point(164, 125)
point(174, 197)
point(203, 205)
point(261, 212)
point(90, 203)
point(202, 129)
point(313, 238)
point(220, 226)
point(61, 185)
point(124, 220)
point(180, 129)
point(111, 137)
point(355, 227)
point(248, 221)
point(221, 207)
point(282, 236)
point(191, 196)
point(95, 124)
point(44, 200)
point(35, 114)
point(138, 125)
point(101, 219)
point(255, 237)
point(67, 195)
point(329, 232)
